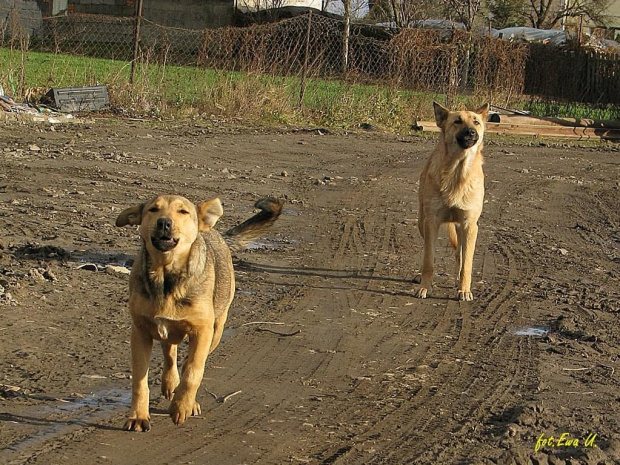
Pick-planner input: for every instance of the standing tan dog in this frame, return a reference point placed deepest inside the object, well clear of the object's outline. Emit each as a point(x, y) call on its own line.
point(452, 192)
point(181, 285)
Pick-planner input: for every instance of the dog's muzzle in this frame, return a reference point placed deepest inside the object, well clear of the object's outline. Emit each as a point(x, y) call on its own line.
point(162, 238)
point(467, 138)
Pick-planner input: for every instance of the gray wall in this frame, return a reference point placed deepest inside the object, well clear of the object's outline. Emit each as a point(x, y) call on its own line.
point(29, 13)
point(102, 7)
point(186, 14)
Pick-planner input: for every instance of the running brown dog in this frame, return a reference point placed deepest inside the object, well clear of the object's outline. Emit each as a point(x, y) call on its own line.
point(452, 192)
point(181, 285)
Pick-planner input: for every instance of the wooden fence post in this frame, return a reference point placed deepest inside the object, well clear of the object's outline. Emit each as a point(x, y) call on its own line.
point(346, 36)
point(136, 41)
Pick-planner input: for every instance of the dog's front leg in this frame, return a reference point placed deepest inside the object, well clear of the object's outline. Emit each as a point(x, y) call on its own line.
point(469, 234)
point(431, 229)
point(184, 401)
point(141, 346)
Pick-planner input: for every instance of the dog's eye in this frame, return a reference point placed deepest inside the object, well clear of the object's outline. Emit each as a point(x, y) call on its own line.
point(476, 122)
point(458, 121)
point(153, 209)
point(184, 212)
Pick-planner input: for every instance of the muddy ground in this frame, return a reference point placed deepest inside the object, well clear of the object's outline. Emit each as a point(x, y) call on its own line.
point(328, 358)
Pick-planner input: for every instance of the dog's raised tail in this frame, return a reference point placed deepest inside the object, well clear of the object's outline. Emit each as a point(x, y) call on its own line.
point(243, 234)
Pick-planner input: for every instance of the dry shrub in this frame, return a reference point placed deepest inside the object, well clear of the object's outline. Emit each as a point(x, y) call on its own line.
point(499, 69)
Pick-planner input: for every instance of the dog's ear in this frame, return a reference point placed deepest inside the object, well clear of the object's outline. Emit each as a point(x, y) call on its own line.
point(441, 114)
point(483, 111)
point(209, 212)
point(132, 215)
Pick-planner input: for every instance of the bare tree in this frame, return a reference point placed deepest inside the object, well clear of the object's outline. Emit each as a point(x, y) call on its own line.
point(406, 12)
point(402, 13)
point(258, 5)
point(545, 14)
point(466, 11)
point(506, 13)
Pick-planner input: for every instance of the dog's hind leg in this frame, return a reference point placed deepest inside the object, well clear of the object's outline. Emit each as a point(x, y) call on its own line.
point(170, 376)
point(184, 403)
point(218, 329)
point(418, 277)
point(454, 232)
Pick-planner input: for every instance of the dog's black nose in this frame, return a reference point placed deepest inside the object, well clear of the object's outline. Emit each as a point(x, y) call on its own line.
point(164, 226)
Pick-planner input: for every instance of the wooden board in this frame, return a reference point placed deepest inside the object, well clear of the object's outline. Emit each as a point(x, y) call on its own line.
point(581, 133)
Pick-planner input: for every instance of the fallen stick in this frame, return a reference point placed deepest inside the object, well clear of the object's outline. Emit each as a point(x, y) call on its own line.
point(279, 333)
point(222, 399)
point(262, 323)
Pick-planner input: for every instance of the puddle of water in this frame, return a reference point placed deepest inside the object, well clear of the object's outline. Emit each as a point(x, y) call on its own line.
point(108, 399)
point(228, 333)
point(289, 211)
point(102, 258)
point(271, 245)
point(74, 415)
point(533, 331)
point(245, 292)
point(258, 245)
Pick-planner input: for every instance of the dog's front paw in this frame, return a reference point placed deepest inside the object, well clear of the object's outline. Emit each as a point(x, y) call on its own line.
point(137, 424)
point(465, 296)
point(421, 294)
point(180, 410)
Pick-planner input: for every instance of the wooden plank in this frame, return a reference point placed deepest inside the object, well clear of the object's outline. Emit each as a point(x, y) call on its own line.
point(549, 121)
point(580, 133)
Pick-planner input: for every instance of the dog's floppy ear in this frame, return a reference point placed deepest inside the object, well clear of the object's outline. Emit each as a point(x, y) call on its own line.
point(209, 212)
point(441, 114)
point(132, 215)
point(483, 111)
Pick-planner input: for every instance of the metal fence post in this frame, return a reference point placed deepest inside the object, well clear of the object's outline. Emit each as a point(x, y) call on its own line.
point(136, 41)
point(304, 71)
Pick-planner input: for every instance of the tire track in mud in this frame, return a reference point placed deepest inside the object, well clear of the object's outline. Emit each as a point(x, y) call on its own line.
point(441, 327)
point(496, 313)
point(522, 369)
point(500, 322)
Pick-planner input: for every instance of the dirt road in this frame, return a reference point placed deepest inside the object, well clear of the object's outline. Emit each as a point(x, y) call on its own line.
point(327, 358)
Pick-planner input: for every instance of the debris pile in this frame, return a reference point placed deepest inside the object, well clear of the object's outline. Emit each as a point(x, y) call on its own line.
point(10, 109)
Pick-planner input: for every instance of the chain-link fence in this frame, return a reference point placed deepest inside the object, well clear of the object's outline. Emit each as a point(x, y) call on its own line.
point(310, 46)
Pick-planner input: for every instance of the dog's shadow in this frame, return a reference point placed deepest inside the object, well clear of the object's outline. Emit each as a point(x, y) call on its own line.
point(53, 425)
point(243, 265)
point(50, 252)
point(329, 273)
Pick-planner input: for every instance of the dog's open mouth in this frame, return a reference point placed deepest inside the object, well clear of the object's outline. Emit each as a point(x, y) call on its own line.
point(164, 243)
point(467, 143)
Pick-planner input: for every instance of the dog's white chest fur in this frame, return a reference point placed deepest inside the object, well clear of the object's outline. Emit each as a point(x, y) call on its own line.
point(162, 328)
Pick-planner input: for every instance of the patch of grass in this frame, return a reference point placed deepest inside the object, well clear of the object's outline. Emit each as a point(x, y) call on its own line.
point(573, 110)
point(47, 69)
